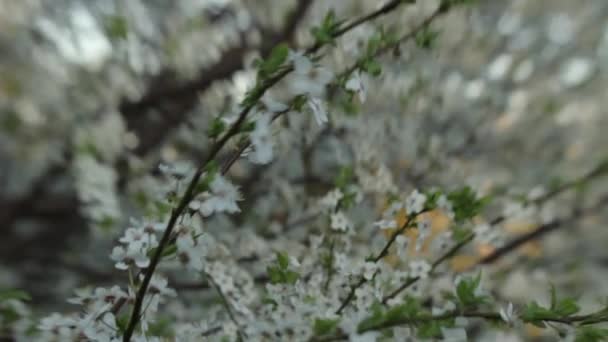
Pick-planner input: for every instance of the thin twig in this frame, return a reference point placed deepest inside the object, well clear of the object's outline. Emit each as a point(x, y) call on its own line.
point(382, 254)
point(241, 336)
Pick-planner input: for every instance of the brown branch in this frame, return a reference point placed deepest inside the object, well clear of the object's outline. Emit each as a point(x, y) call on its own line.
point(539, 232)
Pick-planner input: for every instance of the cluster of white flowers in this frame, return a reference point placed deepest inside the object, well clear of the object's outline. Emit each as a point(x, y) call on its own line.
point(221, 198)
point(363, 271)
point(136, 243)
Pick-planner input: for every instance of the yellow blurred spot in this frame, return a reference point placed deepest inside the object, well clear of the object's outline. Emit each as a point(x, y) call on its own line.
point(533, 331)
point(440, 222)
point(461, 263)
point(485, 249)
point(532, 249)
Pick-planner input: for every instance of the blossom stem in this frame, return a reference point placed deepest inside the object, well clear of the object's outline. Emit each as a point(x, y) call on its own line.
point(228, 307)
point(592, 318)
point(382, 254)
point(410, 281)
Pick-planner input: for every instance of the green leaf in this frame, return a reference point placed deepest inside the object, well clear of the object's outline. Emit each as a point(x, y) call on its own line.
point(253, 95)
point(535, 314)
point(10, 121)
point(465, 203)
point(394, 315)
point(563, 307)
point(161, 327)
point(122, 321)
point(345, 177)
point(168, 251)
point(459, 234)
point(426, 38)
point(466, 291)
point(280, 273)
point(591, 334)
point(431, 329)
point(14, 294)
point(376, 318)
point(116, 27)
point(277, 57)
point(431, 199)
point(566, 307)
point(325, 326)
point(211, 171)
point(372, 67)
point(283, 260)
point(217, 127)
point(299, 102)
point(321, 36)
point(248, 126)
point(325, 33)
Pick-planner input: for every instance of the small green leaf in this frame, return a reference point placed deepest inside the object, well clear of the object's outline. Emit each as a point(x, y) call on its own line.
point(325, 33)
point(591, 334)
point(116, 27)
point(161, 327)
point(122, 321)
point(465, 203)
point(14, 294)
point(280, 273)
point(372, 67)
point(429, 330)
point(467, 289)
point(217, 127)
point(566, 307)
point(535, 314)
point(345, 176)
point(459, 234)
point(325, 326)
point(299, 102)
point(426, 38)
point(283, 260)
point(277, 57)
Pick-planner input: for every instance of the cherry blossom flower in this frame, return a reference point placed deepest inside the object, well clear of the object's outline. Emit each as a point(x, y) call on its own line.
point(445, 205)
point(369, 269)
point(507, 314)
point(386, 224)
point(261, 140)
point(401, 244)
point(189, 252)
point(308, 79)
point(340, 222)
point(419, 268)
point(127, 257)
point(331, 199)
point(485, 234)
point(318, 110)
point(414, 203)
point(57, 327)
point(355, 84)
point(138, 239)
point(222, 198)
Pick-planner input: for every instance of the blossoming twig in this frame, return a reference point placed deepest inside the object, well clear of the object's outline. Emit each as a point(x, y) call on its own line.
point(411, 280)
point(538, 232)
point(228, 307)
point(377, 258)
point(233, 130)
